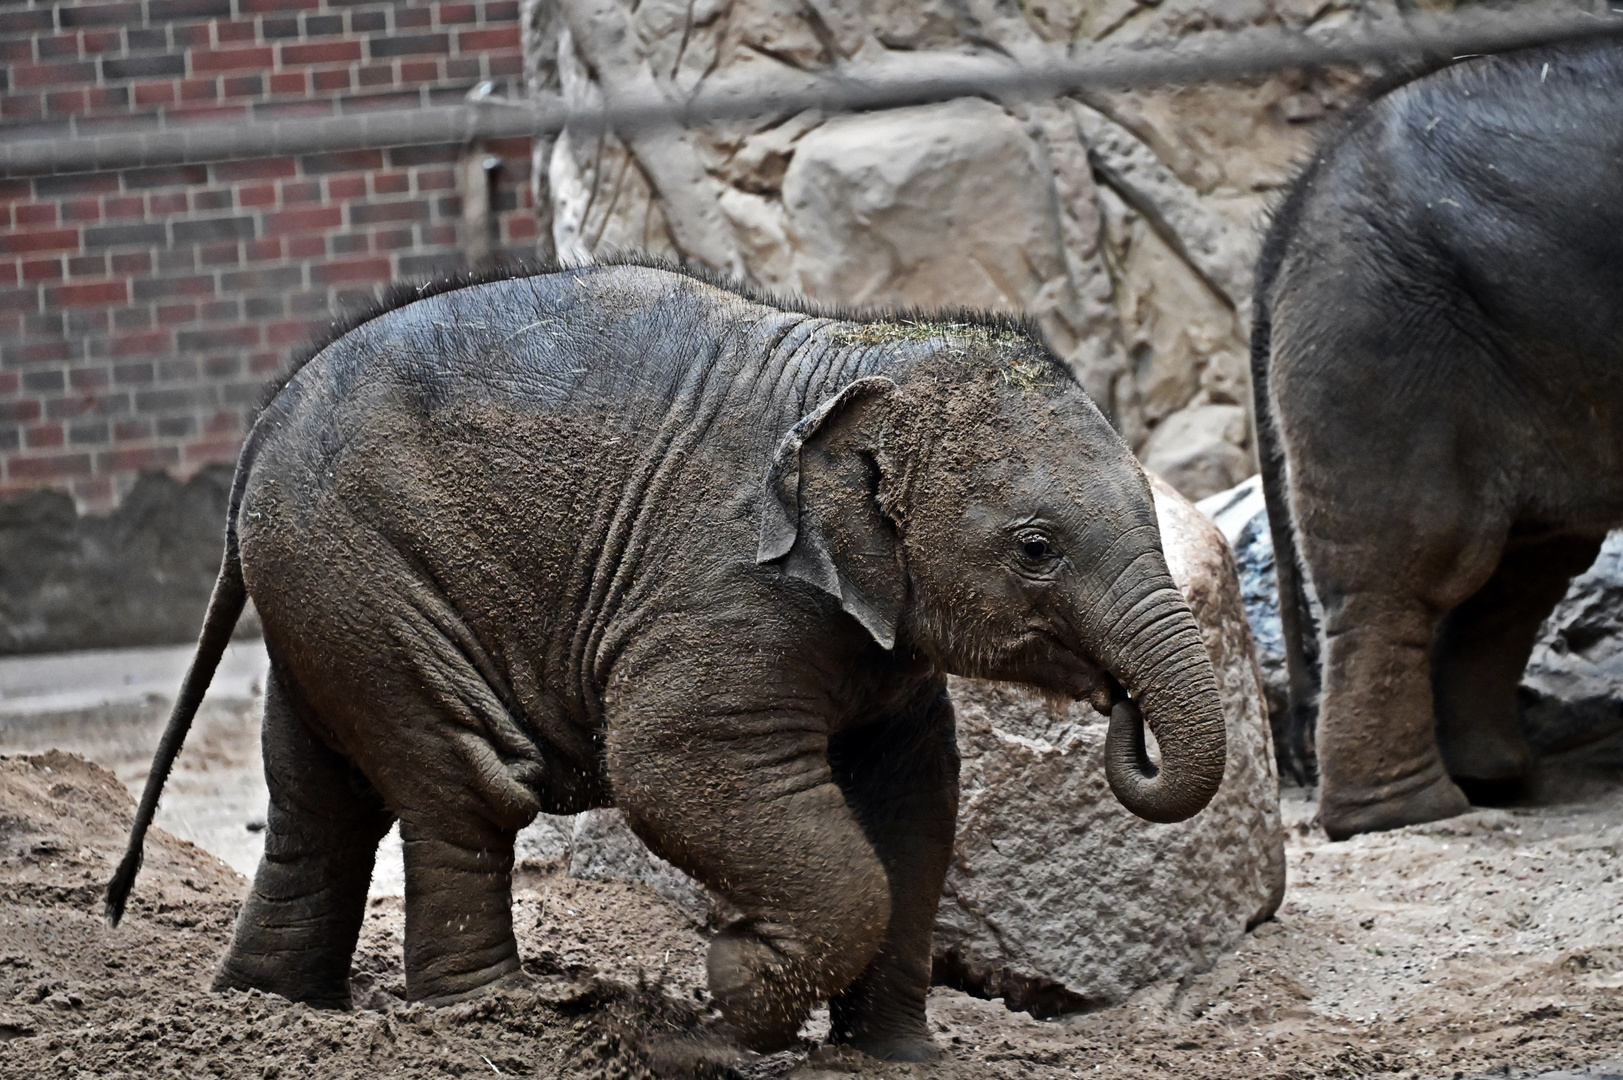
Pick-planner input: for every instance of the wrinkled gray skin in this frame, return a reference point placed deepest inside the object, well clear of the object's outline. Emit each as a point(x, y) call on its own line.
point(1438, 363)
point(617, 536)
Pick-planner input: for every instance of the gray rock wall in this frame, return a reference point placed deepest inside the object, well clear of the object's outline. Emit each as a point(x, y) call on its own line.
point(139, 576)
point(1126, 223)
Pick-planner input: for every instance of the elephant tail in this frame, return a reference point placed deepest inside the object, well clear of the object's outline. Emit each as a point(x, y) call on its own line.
point(230, 596)
point(1294, 739)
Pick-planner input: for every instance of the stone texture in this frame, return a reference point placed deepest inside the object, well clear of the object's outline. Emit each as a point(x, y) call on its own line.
point(603, 847)
point(1126, 224)
point(1058, 898)
point(1243, 519)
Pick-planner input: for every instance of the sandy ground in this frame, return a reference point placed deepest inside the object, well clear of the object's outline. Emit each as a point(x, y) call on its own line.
point(1487, 945)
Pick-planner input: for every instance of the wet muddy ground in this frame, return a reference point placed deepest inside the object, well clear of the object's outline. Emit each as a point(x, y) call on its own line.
point(1488, 945)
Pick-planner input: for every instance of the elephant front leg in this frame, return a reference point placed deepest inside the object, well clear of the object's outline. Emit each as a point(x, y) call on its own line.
point(1379, 764)
point(297, 930)
point(900, 777)
point(745, 802)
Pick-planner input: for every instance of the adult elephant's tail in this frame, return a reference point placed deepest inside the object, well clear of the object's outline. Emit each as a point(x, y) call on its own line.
point(225, 607)
point(1293, 733)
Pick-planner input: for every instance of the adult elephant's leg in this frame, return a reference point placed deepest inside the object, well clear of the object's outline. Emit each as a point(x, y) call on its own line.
point(900, 777)
point(742, 798)
point(297, 930)
point(1478, 656)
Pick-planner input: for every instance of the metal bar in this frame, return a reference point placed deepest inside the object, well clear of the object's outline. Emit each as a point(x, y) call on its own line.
point(906, 79)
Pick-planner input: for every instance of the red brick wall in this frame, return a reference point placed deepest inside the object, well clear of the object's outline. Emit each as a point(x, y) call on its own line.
point(141, 311)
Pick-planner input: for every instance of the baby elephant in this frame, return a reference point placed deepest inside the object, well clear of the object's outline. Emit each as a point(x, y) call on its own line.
point(619, 536)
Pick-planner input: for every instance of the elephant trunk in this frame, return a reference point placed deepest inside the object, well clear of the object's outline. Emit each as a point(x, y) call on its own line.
point(1154, 650)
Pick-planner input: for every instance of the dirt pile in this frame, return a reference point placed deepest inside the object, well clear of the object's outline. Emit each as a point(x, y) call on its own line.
point(1484, 946)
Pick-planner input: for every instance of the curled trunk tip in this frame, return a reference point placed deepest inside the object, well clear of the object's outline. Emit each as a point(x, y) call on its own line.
point(1186, 781)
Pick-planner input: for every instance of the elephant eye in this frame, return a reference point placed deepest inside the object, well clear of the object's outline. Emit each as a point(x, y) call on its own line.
point(1034, 546)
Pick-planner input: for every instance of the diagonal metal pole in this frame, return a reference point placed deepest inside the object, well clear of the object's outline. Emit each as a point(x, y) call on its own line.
point(905, 79)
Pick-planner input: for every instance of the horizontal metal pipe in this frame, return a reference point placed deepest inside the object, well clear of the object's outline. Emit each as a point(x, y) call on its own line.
point(904, 79)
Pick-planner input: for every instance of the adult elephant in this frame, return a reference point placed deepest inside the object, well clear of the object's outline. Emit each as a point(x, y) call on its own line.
point(1438, 367)
point(620, 536)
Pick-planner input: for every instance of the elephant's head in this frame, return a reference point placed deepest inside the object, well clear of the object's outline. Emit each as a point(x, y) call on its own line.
point(985, 513)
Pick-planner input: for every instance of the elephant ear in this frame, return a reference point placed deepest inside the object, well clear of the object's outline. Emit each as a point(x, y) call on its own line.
point(821, 520)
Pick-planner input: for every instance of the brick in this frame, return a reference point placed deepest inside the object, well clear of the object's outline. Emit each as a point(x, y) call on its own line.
point(25, 300)
point(142, 67)
point(44, 436)
point(435, 180)
point(234, 31)
point(176, 427)
point(246, 395)
point(199, 89)
point(66, 101)
point(9, 382)
point(203, 229)
point(313, 304)
point(376, 212)
point(81, 210)
point(301, 192)
point(393, 239)
point(164, 288)
point(44, 382)
point(168, 202)
point(155, 93)
point(498, 66)
point(346, 187)
point(341, 161)
point(412, 18)
point(135, 318)
point(265, 364)
point(165, 10)
point(306, 247)
point(21, 22)
point(165, 176)
point(33, 470)
point(274, 109)
point(181, 370)
point(39, 352)
point(250, 58)
point(255, 195)
point(142, 233)
point(501, 11)
point(501, 37)
point(279, 27)
point(323, 25)
point(452, 14)
point(89, 294)
point(109, 97)
point(170, 314)
point(75, 184)
point(300, 221)
point(288, 82)
point(133, 374)
point(88, 433)
point(263, 250)
point(132, 430)
point(206, 451)
point(419, 71)
point(194, 35)
point(467, 68)
point(36, 214)
point(263, 169)
point(350, 244)
point(263, 278)
point(404, 99)
point(401, 157)
point(521, 228)
point(264, 307)
point(242, 86)
point(18, 243)
point(218, 199)
point(391, 183)
point(434, 235)
point(142, 343)
point(99, 15)
point(324, 52)
point(226, 254)
point(20, 412)
point(381, 47)
point(332, 273)
point(66, 408)
point(225, 337)
point(135, 459)
point(206, 114)
point(259, 6)
point(225, 421)
point(36, 76)
point(41, 270)
point(83, 266)
point(84, 322)
point(156, 37)
point(375, 75)
point(87, 379)
point(338, 79)
point(174, 398)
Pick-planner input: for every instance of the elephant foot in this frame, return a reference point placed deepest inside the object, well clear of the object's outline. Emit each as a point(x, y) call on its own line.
point(503, 975)
point(318, 994)
point(1344, 818)
point(896, 1047)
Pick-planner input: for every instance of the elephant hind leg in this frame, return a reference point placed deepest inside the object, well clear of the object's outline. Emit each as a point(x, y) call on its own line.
point(747, 805)
point(297, 930)
point(1477, 658)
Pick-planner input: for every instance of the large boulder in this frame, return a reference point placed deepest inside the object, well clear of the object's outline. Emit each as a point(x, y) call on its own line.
point(1059, 899)
point(1572, 689)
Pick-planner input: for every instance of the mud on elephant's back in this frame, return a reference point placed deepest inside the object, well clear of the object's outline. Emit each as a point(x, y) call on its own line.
point(1058, 898)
